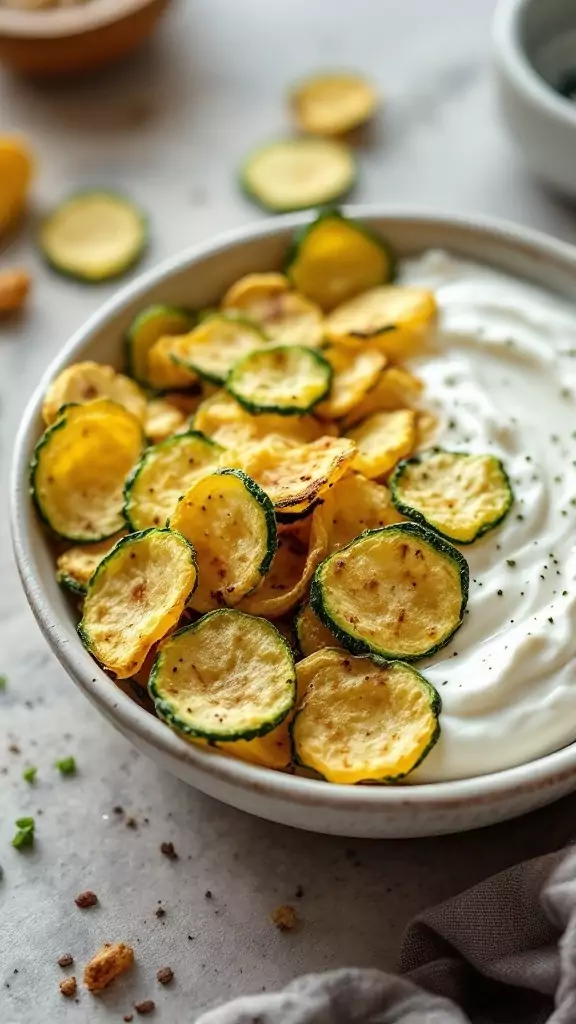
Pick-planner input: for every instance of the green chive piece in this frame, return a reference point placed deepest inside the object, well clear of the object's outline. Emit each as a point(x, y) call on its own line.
point(29, 774)
point(25, 834)
point(3, 682)
point(66, 766)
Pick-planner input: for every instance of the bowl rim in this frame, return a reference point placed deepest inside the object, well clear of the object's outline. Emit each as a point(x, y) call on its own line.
point(506, 39)
point(124, 712)
point(56, 23)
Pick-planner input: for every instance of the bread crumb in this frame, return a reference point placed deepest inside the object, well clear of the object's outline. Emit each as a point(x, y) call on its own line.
point(86, 899)
point(168, 850)
point(146, 1006)
point(113, 959)
point(14, 288)
point(128, 1017)
point(165, 975)
point(68, 987)
point(66, 960)
point(285, 917)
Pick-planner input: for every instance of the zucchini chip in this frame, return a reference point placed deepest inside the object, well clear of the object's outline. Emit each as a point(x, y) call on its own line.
point(213, 347)
point(79, 469)
point(396, 388)
point(136, 595)
point(16, 170)
point(296, 174)
point(399, 592)
point(292, 568)
point(461, 496)
point(312, 635)
point(76, 566)
point(150, 325)
point(223, 419)
point(227, 677)
point(354, 375)
point(286, 317)
point(83, 382)
point(163, 373)
point(334, 259)
point(363, 719)
point(333, 104)
point(359, 504)
point(392, 317)
point(294, 477)
point(94, 236)
point(163, 420)
point(286, 379)
point(166, 470)
point(230, 521)
point(382, 440)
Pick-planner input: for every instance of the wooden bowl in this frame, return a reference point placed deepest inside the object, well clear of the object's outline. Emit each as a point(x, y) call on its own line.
point(56, 42)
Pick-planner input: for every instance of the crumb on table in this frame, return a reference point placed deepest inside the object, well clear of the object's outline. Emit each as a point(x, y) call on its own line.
point(285, 917)
point(113, 959)
point(68, 987)
point(86, 899)
point(66, 960)
point(165, 975)
point(146, 1006)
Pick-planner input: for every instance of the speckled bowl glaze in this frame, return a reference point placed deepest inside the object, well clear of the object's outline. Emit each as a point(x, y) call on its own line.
point(197, 277)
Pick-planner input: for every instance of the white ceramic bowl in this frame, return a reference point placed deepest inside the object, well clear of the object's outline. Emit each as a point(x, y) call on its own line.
point(534, 42)
point(198, 277)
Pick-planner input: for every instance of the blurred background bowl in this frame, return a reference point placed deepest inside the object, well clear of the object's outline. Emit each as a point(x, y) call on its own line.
point(55, 42)
point(535, 61)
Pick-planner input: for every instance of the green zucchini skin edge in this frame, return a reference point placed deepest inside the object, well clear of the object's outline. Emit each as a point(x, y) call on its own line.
point(216, 378)
point(133, 538)
point(435, 707)
point(334, 213)
point(70, 584)
point(256, 492)
point(168, 442)
point(121, 270)
point(419, 517)
point(165, 711)
point(280, 410)
point(287, 518)
point(187, 315)
point(357, 646)
point(249, 192)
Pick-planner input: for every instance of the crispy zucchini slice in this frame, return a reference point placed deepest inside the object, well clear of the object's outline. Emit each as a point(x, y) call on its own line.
point(94, 236)
point(223, 419)
point(163, 373)
point(227, 677)
point(150, 325)
point(16, 170)
point(286, 379)
point(76, 566)
point(292, 568)
point(334, 259)
point(359, 504)
point(363, 719)
point(333, 104)
point(136, 595)
point(83, 382)
point(311, 634)
point(459, 495)
point(212, 348)
point(399, 592)
point(354, 374)
point(285, 316)
point(396, 388)
point(295, 174)
point(294, 476)
point(163, 420)
point(231, 523)
point(79, 469)
point(164, 472)
point(392, 317)
point(382, 440)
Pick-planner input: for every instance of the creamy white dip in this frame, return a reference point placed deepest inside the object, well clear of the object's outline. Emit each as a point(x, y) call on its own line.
point(503, 380)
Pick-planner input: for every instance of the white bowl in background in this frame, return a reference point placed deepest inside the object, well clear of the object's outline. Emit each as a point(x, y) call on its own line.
point(197, 278)
point(534, 45)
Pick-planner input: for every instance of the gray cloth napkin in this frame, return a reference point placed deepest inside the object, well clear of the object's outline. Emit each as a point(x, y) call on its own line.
point(503, 952)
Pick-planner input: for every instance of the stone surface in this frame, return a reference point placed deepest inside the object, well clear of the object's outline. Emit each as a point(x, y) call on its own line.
point(170, 127)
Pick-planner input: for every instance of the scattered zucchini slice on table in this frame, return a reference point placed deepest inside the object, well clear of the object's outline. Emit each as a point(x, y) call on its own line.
point(163, 473)
point(311, 634)
point(229, 676)
point(76, 566)
point(295, 174)
point(150, 325)
point(334, 259)
point(382, 440)
point(134, 598)
point(332, 104)
point(399, 592)
point(286, 379)
point(213, 347)
point(94, 236)
point(230, 521)
point(83, 382)
point(79, 469)
point(391, 317)
point(363, 719)
point(459, 495)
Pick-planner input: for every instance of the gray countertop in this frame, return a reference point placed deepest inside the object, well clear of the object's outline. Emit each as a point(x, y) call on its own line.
point(170, 127)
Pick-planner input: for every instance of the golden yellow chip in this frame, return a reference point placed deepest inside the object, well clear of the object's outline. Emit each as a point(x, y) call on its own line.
point(312, 635)
point(84, 382)
point(396, 388)
point(15, 175)
point(359, 504)
point(333, 104)
point(382, 440)
point(354, 374)
point(391, 317)
point(163, 419)
point(286, 317)
point(163, 373)
point(77, 565)
point(223, 419)
point(253, 290)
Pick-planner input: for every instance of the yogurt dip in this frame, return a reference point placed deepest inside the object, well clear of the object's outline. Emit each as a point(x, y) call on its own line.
point(502, 379)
